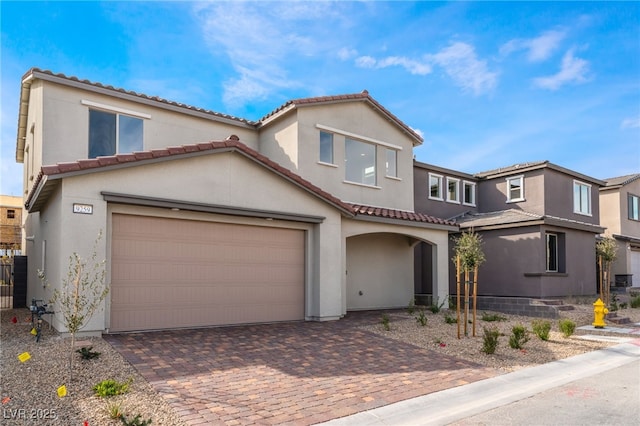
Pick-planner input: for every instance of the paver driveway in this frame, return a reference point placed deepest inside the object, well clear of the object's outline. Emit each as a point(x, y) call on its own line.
point(294, 373)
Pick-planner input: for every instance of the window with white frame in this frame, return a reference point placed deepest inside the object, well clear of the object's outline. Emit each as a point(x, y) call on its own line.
point(552, 252)
point(392, 163)
point(515, 189)
point(634, 207)
point(468, 193)
point(453, 190)
point(326, 147)
point(112, 133)
point(581, 198)
point(360, 162)
point(435, 187)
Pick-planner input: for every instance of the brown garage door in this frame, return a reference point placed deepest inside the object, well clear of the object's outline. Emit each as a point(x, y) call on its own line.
point(170, 273)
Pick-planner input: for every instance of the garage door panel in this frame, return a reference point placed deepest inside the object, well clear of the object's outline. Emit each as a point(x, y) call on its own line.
point(169, 273)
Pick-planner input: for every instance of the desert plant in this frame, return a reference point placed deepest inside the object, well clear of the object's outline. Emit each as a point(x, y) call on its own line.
point(567, 327)
point(135, 421)
point(81, 294)
point(114, 410)
point(88, 353)
point(412, 306)
point(519, 336)
point(111, 388)
point(385, 322)
point(449, 319)
point(435, 308)
point(421, 318)
point(541, 328)
point(492, 317)
point(634, 302)
point(613, 305)
point(490, 340)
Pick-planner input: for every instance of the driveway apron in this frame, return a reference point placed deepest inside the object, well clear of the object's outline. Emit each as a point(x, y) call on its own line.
point(290, 373)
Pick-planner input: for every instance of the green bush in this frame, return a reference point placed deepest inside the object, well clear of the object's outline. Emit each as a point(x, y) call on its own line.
point(490, 340)
point(421, 318)
point(567, 327)
point(450, 320)
point(635, 301)
point(111, 388)
point(87, 353)
point(492, 317)
point(385, 322)
point(412, 306)
point(541, 328)
point(519, 336)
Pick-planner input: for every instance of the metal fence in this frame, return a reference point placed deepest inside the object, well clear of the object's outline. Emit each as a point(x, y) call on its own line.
point(6, 285)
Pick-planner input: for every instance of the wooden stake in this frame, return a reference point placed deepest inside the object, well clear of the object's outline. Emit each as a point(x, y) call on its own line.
point(458, 292)
point(466, 302)
point(475, 299)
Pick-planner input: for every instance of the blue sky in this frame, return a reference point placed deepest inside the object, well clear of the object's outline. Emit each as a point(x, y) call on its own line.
point(487, 84)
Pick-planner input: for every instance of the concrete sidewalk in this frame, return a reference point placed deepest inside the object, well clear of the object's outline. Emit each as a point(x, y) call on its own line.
point(452, 405)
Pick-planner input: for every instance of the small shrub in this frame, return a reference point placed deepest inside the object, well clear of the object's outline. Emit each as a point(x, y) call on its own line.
point(385, 322)
point(614, 303)
point(490, 340)
point(412, 306)
point(492, 317)
point(635, 301)
point(111, 388)
point(87, 353)
point(567, 327)
point(135, 421)
point(450, 320)
point(519, 336)
point(114, 410)
point(624, 305)
point(541, 328)
point(435, 308)
point(421, 318)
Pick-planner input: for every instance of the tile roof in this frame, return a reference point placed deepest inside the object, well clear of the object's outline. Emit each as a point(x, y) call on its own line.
point(621, 180)
point(496, 218)
point(61, 170)
point(512, 168)
point(382, 212)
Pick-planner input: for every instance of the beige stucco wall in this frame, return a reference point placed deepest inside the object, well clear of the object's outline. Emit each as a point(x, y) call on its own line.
point(302, 154)
point(66, 124)
point(192, 180)
point(610, 211)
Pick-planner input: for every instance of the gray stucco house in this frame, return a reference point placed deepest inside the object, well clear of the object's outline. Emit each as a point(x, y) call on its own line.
point(538, 222)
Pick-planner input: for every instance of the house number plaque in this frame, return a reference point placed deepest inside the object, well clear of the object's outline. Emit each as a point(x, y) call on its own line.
point(83, 208)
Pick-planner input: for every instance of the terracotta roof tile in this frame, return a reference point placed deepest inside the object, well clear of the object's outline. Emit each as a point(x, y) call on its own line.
point(399, 214)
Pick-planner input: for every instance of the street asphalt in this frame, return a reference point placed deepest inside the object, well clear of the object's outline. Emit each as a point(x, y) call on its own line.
point(595, 388)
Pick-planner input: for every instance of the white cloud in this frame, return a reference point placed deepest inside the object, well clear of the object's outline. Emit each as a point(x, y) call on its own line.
point(630, 123)
point(412, 66)
point(572, 70)
point(461, 63)
point(346, 53)
point(539, 48)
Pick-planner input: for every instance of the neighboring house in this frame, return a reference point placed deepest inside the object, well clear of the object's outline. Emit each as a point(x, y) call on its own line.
point(210, 219)
point(620, 215)
point(10, 225)
point(538, 222)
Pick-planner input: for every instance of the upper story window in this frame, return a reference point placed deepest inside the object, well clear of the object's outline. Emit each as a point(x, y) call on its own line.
point(360, 162)
point(515, 189)
point(111, 133)
point(326, 147)
point(453, 190)
point(634, 207)
point(468, 193)
point(392, 163)
point(581, 198)
point(11, 214)
point(435, 187)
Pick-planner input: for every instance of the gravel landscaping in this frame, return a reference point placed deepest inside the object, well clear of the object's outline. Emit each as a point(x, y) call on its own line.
point(29, 389)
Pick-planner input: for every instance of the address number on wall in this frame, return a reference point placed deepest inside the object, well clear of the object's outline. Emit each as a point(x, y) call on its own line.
point(83, 208)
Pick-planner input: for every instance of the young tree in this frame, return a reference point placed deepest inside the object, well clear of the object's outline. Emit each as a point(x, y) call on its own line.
point(80, 295)
point(607, 252)
point(469, 256)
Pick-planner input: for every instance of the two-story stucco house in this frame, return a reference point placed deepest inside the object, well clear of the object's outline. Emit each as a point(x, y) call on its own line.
point(620, 215)
point(210, 219)
point(538, 222)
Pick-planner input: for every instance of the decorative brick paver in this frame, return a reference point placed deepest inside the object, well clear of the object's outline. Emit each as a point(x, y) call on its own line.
point(295, 373)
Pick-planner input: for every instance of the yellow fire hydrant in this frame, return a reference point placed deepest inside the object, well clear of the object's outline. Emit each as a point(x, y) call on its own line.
point(599, 311)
